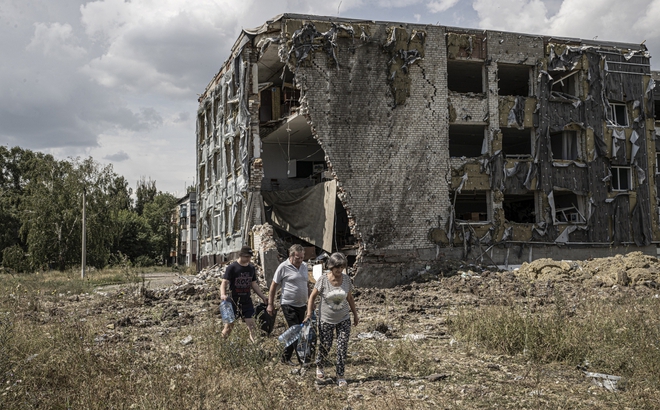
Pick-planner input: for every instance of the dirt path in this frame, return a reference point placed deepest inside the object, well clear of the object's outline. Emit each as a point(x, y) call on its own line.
point(154, 280)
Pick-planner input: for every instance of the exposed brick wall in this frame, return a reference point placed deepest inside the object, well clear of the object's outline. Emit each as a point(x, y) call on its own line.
point(392, 162)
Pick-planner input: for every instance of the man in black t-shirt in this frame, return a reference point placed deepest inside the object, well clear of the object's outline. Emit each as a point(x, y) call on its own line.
point(241, 277)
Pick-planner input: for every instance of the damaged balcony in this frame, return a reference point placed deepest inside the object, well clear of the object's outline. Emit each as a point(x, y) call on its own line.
point(298, 189)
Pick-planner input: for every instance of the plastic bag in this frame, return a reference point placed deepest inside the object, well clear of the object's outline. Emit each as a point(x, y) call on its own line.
point(306, 347)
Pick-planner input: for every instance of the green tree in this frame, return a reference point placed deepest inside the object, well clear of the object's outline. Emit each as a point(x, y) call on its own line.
point(51, 217)
point(159, 215)
point(51, 213)
point(133, 235)
point(14, 167)
point(145, 192)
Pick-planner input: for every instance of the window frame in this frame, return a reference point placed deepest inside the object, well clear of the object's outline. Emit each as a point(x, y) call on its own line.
point(617, 178)
point(612, 113)
point(579, 211)
point(566, 136)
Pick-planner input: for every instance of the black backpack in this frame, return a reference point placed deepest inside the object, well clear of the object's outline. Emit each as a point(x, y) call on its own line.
point(265, 322)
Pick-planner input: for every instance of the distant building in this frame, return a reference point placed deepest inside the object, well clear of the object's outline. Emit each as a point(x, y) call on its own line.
point(186, 222)
point(408, 144)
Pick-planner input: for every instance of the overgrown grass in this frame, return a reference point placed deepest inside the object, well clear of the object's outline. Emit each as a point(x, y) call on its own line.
point(51, 357)
point(620, 338)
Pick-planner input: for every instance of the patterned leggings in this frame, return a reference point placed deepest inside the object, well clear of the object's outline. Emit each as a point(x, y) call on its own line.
point(326, 333)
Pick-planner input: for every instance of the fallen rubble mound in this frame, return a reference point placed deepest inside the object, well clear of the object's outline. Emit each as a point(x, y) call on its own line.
point(632, 269)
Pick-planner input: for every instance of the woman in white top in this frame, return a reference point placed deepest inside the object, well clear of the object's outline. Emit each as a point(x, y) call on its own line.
point(335, 307)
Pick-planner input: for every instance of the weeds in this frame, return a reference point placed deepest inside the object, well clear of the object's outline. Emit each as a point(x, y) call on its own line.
point(620, 338)
point(117, 351)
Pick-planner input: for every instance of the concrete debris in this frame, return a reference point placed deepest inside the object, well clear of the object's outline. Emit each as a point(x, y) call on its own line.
point(372, 335)
point(607, 381)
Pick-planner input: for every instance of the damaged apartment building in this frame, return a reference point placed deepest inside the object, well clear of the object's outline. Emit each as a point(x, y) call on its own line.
point(405, 145)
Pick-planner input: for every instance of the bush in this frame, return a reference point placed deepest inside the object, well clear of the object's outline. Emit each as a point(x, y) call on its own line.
point(143, 261)
point(15, 259)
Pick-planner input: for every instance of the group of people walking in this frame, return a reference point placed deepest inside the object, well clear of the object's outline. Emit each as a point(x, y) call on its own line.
point(334, 291)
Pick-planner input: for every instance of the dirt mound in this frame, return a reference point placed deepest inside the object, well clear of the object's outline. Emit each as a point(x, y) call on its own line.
point(634, 268)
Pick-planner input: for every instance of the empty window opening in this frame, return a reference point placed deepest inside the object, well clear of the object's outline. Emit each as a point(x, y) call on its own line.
point(266, 108)
point(471, 206)
point(564, 145)
point(216, 161)
point(513, 79)
point(617, 114)
point(465, 76)
point(657, 163)
point(564, 84)
point(201, 128)
point(519, 208)
point(621, 179)
point(516, 143)
point(202, 178)
point(569, 208)
point(656, 111)
point(466, 140)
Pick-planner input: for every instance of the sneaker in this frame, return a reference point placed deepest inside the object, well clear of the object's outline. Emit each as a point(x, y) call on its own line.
point(342, 383)
point(289, 363)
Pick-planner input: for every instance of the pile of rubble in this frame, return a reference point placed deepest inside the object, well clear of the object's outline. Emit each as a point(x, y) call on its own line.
point(632, 269)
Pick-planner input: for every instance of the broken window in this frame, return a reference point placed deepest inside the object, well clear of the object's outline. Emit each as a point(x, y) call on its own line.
point(471, 206)
point(513, 79)
point(216, 175)
point(237, 159)
point(465, 76)
point(569, 207)
point(202, 128)
point(209, 123)
point(519, 208)
point(217, 224)
point(466, 140)
point(516, 143)
point(202, 178)
point(621, 179)
point(564, 84)
point(226, 220)
point(617, 114)
point(266, 105)
point(564, 145)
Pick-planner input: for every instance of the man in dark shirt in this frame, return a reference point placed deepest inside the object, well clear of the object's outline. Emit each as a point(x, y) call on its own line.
point(241, 277)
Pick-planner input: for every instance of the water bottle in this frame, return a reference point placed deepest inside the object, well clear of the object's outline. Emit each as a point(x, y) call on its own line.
point(290, 335)
point(227, 312)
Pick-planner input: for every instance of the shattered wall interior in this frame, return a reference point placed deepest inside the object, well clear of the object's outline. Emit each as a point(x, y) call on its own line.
point(409, 144)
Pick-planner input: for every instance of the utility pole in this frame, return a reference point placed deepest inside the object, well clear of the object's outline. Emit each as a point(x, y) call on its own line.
point(84, 237)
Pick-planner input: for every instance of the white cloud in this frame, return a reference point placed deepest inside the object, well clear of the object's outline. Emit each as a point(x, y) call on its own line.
point(167, 45)
point(117, 157)
point(523, 16)
point(55, 40)
point(632, 21)
point(440, 6)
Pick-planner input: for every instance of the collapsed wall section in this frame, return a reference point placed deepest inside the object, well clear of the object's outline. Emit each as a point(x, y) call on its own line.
point(379, 112)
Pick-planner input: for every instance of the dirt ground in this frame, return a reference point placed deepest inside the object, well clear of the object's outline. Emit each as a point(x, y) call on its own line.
point(458, 376)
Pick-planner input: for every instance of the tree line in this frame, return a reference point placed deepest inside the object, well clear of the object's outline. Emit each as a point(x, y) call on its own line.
point(41, 214)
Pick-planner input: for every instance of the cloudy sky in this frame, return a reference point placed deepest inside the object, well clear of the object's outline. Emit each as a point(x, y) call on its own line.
point(118, 80)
